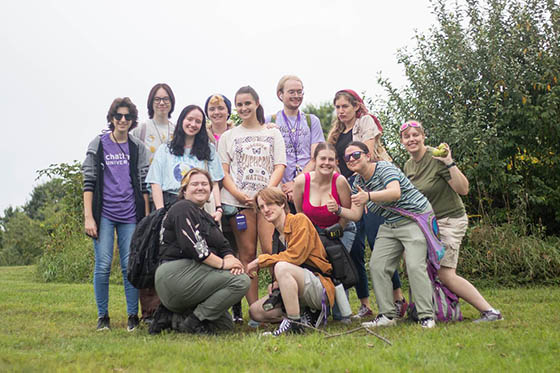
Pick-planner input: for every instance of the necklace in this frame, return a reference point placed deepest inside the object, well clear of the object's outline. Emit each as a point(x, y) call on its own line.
point(157, 131)
point(119, 145)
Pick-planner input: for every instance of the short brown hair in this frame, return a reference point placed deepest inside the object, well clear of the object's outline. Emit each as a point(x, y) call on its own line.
point(122, 102)
point(274, 195)
point(187, 178)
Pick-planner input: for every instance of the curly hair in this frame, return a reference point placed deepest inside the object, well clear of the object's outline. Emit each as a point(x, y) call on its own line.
point(122, 102)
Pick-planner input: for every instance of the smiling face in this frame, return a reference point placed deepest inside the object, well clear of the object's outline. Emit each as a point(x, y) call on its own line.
point(121, 125)
point(325, 162)
point(345, 112)
point(192, 122)
point(413, 140)
point(270, 210)
point(218, 112)
point(198, 189)
point(356, 165)
point(161, 103)
point(292, 94)
point(246, 106)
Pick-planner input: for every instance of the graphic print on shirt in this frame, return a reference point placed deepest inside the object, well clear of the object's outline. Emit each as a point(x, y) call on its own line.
point(180, 170)
point(255, 157)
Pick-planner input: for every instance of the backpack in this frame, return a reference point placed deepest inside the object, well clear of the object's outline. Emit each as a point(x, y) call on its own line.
point(143, 259)
point(444, 302)
point(344, 270)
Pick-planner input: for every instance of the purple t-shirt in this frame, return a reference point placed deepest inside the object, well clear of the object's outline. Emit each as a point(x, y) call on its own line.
point(298, 138)
point(118, 195)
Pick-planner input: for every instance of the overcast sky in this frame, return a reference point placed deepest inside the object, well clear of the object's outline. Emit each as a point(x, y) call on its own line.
point(63, 62)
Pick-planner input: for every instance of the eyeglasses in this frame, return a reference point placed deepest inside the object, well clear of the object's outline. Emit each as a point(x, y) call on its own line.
point(119, 116)
point(294, 92)
point(165, 100)
point(410, 124)
point(356, 155)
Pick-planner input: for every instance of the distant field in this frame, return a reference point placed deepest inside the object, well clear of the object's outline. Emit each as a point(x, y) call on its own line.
point(51, 327)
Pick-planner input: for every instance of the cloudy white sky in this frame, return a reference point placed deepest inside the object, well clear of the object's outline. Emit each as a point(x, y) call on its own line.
point(63, 62)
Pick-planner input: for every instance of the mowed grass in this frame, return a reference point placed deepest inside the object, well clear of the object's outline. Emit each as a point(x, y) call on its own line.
point(51, 327)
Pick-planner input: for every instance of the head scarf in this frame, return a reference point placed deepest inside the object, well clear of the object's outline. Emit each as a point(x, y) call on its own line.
point(362, 108)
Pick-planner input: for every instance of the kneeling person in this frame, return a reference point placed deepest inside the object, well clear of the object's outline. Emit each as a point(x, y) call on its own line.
point(301, 269)
point(198, 275)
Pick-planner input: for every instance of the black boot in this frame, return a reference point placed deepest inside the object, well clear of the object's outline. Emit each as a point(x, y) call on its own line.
point(162, 320)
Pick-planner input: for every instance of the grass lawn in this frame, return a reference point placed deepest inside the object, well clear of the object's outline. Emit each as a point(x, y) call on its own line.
point(51, 327)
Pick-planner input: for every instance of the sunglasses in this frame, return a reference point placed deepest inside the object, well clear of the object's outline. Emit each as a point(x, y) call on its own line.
point(119, 116)
point(356, 155)
point(410, 124)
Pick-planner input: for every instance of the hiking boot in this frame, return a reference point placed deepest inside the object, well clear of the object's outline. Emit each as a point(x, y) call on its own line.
point(193, 325)
point(287, 326)
point(161, 320)
point(133, 322)
point(401, 306)
point(364, 311)
point(237, 313)
point(491, 315)
point(380, 320)
point(103, 323)
point(427, 323)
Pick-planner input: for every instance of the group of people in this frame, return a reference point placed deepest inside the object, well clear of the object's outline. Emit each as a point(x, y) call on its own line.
point(274, 182)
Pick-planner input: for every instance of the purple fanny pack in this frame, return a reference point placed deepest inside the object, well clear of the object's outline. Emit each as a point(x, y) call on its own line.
point(428, 225)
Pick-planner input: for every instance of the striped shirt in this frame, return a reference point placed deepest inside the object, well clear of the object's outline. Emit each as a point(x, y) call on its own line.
point(385, 172)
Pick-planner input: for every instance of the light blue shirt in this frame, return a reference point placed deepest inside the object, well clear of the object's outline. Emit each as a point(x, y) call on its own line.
point(168, 170)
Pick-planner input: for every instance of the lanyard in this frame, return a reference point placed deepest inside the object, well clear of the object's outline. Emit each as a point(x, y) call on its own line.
point(293, 135)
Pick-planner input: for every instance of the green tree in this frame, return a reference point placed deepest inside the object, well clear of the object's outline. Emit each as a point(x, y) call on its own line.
point(485, 80)
point(48, 193)
point(23, 240)
point(324, 112)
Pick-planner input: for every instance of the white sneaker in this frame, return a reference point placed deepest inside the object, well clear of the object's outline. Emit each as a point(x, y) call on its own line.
point(380, 320)
point(427, 323)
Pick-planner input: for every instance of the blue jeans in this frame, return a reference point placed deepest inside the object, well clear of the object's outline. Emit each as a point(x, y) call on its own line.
point(103, 247)
point(367, 226)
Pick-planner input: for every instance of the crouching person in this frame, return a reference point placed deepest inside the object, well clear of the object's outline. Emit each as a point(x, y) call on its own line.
point(301, 269)
point(198, 278)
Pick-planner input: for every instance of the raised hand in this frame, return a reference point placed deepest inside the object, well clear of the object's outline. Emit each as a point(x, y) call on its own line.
point(332, 205)
point(361, 198)
point(447, 159)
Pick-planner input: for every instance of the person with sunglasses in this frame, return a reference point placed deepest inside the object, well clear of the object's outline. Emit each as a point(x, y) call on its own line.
point(380, 184)
point(154, 132)
point(115, 198)
point(353, 122)
point(442, 182)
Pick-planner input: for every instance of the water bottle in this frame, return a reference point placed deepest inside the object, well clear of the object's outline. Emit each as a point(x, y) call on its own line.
point(342, 301)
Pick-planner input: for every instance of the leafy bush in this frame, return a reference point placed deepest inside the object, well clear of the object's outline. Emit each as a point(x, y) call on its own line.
point(485, 80)
point(506, 255)
point(71, 263)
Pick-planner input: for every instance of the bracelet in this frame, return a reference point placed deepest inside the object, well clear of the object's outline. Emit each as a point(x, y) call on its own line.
point(219, 207)
point(223, 261)
point(451, 165)
point(339, 210)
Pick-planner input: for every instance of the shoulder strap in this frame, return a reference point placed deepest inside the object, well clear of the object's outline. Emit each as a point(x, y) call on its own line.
point(143, 132)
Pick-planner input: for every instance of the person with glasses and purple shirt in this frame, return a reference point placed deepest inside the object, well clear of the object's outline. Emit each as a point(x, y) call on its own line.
point(441, 181)
point(115, 198)
point(379, 186)
point(353, 122)
point(301, 132)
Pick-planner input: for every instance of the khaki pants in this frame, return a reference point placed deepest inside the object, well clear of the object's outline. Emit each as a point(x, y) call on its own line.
point(392, 240)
